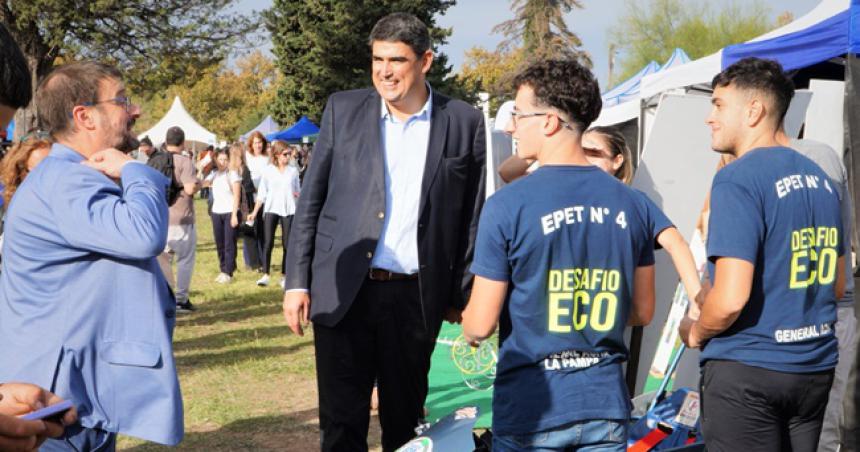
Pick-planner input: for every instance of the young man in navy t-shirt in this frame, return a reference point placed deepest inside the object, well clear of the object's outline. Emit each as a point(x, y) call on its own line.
point(563, 262)
point(775, 250)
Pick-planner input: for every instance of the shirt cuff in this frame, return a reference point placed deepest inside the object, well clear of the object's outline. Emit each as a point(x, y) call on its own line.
point(296, 290)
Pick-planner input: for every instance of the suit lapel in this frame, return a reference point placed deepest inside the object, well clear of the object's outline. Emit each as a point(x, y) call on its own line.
point(435, 147)
point(373, 142)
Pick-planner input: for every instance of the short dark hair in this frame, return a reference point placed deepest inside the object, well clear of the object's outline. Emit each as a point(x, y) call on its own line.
point(175, 136)
point(146, 141)
point(66, 87)
point(16, 87)
point(566, 85)
point(763, 75)
point(402, 27)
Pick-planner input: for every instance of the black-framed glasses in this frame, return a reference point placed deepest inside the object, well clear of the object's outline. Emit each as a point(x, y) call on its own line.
point(123, 101)
point(515, 115)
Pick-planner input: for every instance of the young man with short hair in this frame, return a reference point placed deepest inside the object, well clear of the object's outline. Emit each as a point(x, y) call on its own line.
point(564, 261)
point(775, 249)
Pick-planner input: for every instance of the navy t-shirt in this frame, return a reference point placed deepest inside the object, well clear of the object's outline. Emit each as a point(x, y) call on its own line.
point(567, 239)
point(778, 210)
point(657, 220)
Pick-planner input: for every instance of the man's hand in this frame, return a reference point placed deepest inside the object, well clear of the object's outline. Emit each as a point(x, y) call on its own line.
point(22, 398)
point(297, 308)
point(453, 315)
point(109, 162)
point(688, 333)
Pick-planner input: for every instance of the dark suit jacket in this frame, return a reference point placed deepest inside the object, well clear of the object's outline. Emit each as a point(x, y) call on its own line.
point(338, 222)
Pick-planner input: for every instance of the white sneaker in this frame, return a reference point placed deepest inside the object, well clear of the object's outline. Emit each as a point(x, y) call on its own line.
point(264, 280)
point(223, 278)
point(283, 282)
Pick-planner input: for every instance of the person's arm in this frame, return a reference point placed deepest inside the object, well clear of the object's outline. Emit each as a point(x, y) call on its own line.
point(474, 197)
point(678, 249)
point(300, 249)
point(642, 308)
point(236, 184)
point(839, 286)
point(297, 188)
point(97, 215)
point(260, 199)
point(485, 306)
point(513, 168)
point(733, 278)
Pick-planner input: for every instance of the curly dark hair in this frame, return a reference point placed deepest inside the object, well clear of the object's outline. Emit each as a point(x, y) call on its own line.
point(565, 85)
point(762, 75)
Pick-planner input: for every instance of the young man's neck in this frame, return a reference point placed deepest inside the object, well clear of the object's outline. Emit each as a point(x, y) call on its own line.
point(563, 149)
point(763, 139)
point(174, 149)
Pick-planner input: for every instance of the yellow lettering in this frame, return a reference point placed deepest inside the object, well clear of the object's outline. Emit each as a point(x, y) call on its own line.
point(556, 310)
point(554, 280)
point(608, 320)
point(827, 266)
point(580, 298)
point(796, 269)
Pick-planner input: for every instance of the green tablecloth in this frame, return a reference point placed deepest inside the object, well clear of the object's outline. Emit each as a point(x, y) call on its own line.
point(448, 388)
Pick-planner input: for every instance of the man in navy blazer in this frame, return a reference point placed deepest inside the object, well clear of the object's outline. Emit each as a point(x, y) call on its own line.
point(84, 308)
point(383, 236)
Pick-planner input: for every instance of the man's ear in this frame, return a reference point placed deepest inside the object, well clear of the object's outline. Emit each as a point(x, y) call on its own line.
point(426, 61)
point(756, 112)
point(82, 118)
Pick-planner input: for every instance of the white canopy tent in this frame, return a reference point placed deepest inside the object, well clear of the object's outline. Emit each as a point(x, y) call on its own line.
point(177, 115)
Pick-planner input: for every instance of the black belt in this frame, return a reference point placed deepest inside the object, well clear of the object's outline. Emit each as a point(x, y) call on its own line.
point(378, 274)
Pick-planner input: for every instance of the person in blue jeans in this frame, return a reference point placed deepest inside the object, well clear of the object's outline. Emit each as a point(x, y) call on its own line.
point(564, 261)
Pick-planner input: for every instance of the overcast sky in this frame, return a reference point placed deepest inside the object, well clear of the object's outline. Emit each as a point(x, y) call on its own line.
point(473, 20)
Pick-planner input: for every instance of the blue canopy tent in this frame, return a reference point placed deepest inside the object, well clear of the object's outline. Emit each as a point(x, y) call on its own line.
point(266, 127)
point(302, 128)
point(629, 89)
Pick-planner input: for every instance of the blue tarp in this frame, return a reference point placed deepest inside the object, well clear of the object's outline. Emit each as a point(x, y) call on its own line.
point(836, 36)
point(10, 130)
point(304, 127)
point(265, 127)
point(629, 89)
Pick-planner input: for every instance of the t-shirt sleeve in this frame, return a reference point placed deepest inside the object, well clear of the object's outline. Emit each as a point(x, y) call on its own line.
point(736, 226)
point(645, 240)
point(657, 220)
point(491, 244)
point(209, 177)
point(184, 170)
point(234, 177)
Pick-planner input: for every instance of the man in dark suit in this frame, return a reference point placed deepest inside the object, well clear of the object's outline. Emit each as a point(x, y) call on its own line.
point(383, 237)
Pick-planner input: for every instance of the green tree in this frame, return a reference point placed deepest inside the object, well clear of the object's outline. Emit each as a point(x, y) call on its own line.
point(321, 47)
point(156, 42)
point(539, 26)
point(652, 31)
point(228, 102)
point(491, 72)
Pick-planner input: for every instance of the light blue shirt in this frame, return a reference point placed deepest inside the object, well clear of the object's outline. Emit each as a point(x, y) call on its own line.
point(404, 148)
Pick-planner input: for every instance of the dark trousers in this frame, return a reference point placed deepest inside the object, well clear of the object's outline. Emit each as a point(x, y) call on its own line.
point(747, 408)
point(270, 226)
point(225, 242)
point(381, 337)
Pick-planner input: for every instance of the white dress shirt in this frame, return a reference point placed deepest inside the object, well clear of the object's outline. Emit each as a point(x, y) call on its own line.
point(404, 147)
point(277, 190)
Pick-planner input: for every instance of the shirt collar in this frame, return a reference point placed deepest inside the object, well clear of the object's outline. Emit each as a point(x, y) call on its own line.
point(64, 152)
point(425, 112)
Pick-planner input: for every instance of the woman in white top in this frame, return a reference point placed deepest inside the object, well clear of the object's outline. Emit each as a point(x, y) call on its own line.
point(225, 189)
point(279, 188)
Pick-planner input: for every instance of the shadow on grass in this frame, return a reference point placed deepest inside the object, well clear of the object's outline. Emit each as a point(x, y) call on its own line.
point(231, 338)
point(197, 361)
point(293, 432)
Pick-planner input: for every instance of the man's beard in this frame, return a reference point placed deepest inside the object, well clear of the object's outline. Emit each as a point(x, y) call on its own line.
point(127, 141)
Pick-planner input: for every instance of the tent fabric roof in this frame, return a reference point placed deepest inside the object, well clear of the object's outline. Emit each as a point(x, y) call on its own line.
point(177, 115)
point(266, 126)
point(703, 70)
point(830, 38)
point(618, 103)
point(302, 128)
point(629, 89)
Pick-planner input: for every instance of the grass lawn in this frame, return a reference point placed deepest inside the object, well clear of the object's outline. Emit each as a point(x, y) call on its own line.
point(248, 383)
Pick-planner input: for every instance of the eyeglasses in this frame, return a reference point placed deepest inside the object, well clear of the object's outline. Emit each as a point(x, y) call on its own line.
point(122, 101)
point(521, 115)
